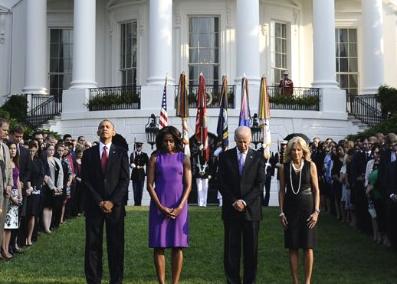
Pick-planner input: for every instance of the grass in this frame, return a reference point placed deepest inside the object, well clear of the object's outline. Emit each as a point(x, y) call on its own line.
point(343, 255)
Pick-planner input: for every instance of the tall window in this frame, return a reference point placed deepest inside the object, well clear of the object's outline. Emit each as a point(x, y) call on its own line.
point(128, 53)
point(61, 57)
point(204, 49)
point(346, 60)
point(280, 51)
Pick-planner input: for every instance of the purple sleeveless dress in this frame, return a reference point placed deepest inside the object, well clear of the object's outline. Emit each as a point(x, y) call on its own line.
point(166, 232)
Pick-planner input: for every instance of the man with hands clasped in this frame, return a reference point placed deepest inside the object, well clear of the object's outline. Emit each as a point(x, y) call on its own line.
point(105, 179)
point(241, 179)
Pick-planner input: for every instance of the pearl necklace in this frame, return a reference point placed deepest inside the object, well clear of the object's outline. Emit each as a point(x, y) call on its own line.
point(291, 165)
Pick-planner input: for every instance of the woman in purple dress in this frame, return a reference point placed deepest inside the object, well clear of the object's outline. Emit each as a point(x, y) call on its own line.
point(169, 180)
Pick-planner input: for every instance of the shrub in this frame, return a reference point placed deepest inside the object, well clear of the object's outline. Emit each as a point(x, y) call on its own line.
point(387, 96)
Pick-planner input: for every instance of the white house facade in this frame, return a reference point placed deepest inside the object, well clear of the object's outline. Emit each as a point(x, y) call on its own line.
point(67, 49)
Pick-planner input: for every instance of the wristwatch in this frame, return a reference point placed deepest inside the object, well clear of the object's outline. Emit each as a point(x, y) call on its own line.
point(317, 211)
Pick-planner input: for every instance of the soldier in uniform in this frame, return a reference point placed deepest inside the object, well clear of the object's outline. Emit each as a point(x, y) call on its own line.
point(138, 162)
point(202, 175)
point(286, 85)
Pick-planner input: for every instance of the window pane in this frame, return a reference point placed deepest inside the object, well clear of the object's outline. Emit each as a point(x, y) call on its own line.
point(343, 83)
point(352, 50)
point(203, 48)
point(343, 65)
point(343, 49)
point(353, 81)
point(128, 53)
point(343, 35)
point(352, 35)
point(353, 65)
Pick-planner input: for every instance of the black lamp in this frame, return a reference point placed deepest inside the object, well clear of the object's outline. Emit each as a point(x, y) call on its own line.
point(151, 130)
point(256, 131)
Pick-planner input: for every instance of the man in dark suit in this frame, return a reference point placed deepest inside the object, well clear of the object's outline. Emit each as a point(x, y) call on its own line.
point(138, 162)
point(241, 175)
point(105, 180)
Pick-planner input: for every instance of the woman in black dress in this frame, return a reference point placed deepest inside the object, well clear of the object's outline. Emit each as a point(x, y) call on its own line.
point(299, 199)
point(35, 179)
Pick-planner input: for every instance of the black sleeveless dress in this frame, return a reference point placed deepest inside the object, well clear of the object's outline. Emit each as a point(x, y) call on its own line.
point(298, 206)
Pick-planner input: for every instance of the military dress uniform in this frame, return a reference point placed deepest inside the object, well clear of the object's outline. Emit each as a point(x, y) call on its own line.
point(138, 162)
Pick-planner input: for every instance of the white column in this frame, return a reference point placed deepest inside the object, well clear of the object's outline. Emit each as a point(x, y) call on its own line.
point(160, 41)
point(247, 42)
point(373, 61)
point(36, 47)
point(84, 44)
point(324, 71)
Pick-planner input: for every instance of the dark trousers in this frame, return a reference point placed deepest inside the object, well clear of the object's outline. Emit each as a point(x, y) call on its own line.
point(137, 187)
point(235, 232)
point(268, 181)
point(93, 249)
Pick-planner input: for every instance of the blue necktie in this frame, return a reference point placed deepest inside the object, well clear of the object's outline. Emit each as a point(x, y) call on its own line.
point(241, 164)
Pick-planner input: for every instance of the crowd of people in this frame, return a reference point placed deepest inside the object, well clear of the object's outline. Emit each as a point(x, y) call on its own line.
point(42, 185)
point(358, 183)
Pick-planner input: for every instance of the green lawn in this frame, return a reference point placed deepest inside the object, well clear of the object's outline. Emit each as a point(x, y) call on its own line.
point(343, 255)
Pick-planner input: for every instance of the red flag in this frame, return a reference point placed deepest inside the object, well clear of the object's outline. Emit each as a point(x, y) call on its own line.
point(201, 118)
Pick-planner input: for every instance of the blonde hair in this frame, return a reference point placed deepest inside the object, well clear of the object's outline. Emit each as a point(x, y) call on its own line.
point(302, 143)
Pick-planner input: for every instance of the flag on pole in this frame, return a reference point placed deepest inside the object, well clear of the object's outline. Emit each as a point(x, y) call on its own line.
point(182, 111)
point(222, 128)
point(201, 119)
point(264, 117)
point(245, 115)
point(163, 111)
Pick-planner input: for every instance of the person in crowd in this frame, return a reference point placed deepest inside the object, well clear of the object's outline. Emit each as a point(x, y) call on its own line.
point(70, 206)
point(388, 160)
point(241, 178)
point(6, 183)
point(81, 140)
point(16, 136)
point(169, 183)
point(299, 199)
point(327, 176)
point(12, 219)
point(39, 137)
point(53, 186)
point(286, 85)
point(35, 180)
point(61, 200)
point(105, 179)
point(346, 193)
point(270, 164)
point(201, 174)
point(337, 163)
point(138, 162)
point(359, 162)
point(79, 189)
point(374, 195)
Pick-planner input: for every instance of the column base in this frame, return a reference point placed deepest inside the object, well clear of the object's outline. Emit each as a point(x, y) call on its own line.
point(333, 100)
point(83, 84)
point(158, 80)
point(369, 91)
point(325, 84)
point(35, 90)
point(75, 100)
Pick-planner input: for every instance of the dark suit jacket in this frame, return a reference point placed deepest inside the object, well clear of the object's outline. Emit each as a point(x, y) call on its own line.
point(24, 157)
point(248, 187)
point(111, 185)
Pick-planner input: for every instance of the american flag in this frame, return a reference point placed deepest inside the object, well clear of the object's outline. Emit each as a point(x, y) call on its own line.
point(163, 111)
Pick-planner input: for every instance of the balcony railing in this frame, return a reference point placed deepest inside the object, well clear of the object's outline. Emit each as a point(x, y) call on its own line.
point(365, 108)
point(301, 99)
point(114, 98)
point(42, 108)
point(213, 95)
